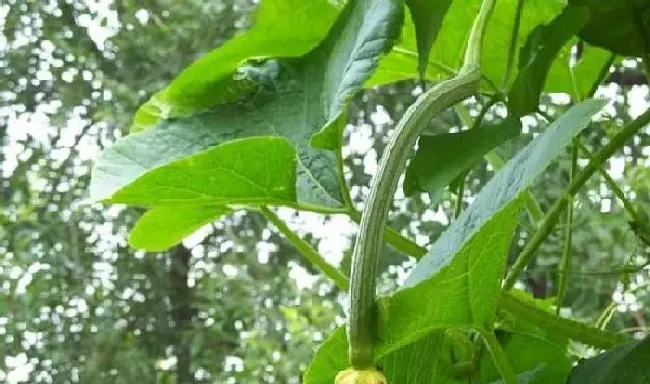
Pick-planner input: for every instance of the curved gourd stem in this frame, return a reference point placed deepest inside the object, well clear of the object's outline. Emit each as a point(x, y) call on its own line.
point(373, 221)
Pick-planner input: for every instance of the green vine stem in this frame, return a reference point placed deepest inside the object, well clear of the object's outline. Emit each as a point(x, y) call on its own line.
point(373, 221)
point(556, 210)
point(559, 326)
point(394, 238)
point(627, 205)
point(604, 71)
point(639, 28)
point(499, 357)
point(512, 47)
point(565, 262)
point(307, 251)
point(460, 192)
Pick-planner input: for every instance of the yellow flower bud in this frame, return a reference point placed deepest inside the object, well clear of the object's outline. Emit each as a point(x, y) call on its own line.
point(353, 376)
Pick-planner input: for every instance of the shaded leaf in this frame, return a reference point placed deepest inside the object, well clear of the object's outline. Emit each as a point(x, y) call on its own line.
point(442, 158)
point(627, 22)
point(427, 361)
point(296, 99)
point(427, 17)
point(460, 275)
point(164, 226)
point(627, 363)
point(283, 28)
point(528, 353)
point(536, 56)
point(221, 175)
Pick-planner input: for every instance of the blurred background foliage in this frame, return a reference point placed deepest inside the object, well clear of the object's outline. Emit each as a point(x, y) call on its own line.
point(235, 303)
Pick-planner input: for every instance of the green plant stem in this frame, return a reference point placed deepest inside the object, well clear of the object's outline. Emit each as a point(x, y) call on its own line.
point(345, 191)
point(394, 238)
point(603, 320)
point(604, 71)
point(627, 205)
point(499, 357)
point(557, 325)
point(373, 221)
point(556, 210)
point(307, 251)
point(459, 197)
point(639, 27)
point(512, 47)
point(565, 262)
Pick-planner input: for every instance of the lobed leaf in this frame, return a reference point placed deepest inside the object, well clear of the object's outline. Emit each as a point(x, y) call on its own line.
point(296, 99)
point(283, 28)
point(221, 175)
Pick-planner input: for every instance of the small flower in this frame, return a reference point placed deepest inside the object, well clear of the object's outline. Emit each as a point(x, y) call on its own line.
point(367, 376)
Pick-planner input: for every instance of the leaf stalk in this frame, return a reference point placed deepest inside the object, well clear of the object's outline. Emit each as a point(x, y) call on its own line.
point(551, 218)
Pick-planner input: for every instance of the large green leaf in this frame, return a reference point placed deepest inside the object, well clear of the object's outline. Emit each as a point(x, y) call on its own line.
point(221, 175)
point(461, 295)
point(528, 353)
point(441, 158)
point(625, 364)
point(536, 56)
point(283, 28)
point(164, 226)
point(427, 17)
point(447, 51)
point(517, 175)
point(427, 361)
point(460, 275)
point(295, 99)
point(621, 26)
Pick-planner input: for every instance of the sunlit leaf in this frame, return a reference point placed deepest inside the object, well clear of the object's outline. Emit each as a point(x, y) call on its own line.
point(221, 175)
point(283, 28)
point(295, 99)
point(164, 226)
